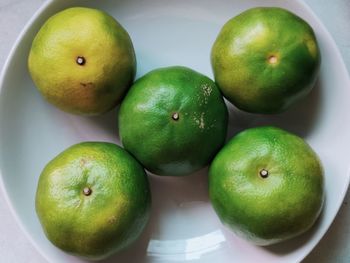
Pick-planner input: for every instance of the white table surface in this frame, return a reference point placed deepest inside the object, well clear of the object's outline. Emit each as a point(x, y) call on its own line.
point(334, 247)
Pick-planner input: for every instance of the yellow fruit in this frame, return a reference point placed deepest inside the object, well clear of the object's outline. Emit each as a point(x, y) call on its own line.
point(93, 200)
point(82, 61)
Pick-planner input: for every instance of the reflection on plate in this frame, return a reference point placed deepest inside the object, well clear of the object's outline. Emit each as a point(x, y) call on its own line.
point(183, 225)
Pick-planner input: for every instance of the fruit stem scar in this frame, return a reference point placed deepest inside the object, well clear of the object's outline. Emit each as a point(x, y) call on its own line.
point(175, 116)
point(272, 59)
point(264, 173)
point(87, 191)
point(80, 61)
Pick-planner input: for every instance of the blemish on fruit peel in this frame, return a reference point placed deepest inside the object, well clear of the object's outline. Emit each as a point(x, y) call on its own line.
point(82, 162)
point(202, 124)
point(88, 84)
point(112, 220)
point(200, 121)
point(206, 90)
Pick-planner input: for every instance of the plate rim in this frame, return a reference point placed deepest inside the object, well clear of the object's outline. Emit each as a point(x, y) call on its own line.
point(45, 5)
point(3, 73)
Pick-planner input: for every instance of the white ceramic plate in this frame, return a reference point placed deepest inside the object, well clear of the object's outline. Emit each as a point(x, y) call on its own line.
point(183, 224)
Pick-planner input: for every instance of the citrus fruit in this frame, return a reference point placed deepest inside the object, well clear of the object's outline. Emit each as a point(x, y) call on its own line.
point(266, 185)
point(265, 59)
point(82, 61)
point(173, 120)
point(93, 199)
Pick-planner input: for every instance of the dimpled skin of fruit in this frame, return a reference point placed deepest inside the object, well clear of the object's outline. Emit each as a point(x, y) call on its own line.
point(93, 200)
point(82, 61)
point(265, 59)
point(267, 185)
point(173, 120)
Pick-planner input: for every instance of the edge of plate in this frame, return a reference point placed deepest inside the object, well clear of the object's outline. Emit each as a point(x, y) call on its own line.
point(30, 22)
point(343, 67)
point(46, 5)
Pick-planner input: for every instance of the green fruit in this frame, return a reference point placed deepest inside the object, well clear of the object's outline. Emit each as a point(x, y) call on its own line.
point(267, 185)
point(82, 61)
point(93, 200)
point(265, 59)
point(173, 120)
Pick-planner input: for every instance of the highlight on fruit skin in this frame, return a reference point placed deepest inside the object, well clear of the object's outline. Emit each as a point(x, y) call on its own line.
point(173, 120)
point(267, 185)
point(93, 200)
point(265, 60)
point(82, 61)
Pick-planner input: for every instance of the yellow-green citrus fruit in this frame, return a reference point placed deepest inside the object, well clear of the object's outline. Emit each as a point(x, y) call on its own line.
point(265, 59)
point(173, 120)
point(93, 200)
point(82, 61)
point(267, 185)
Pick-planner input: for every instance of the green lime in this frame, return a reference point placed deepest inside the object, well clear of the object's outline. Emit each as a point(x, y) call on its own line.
point(93, 200)
point(265, 59)
point(266, 185)
point(82, 61)
point(173, 120)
